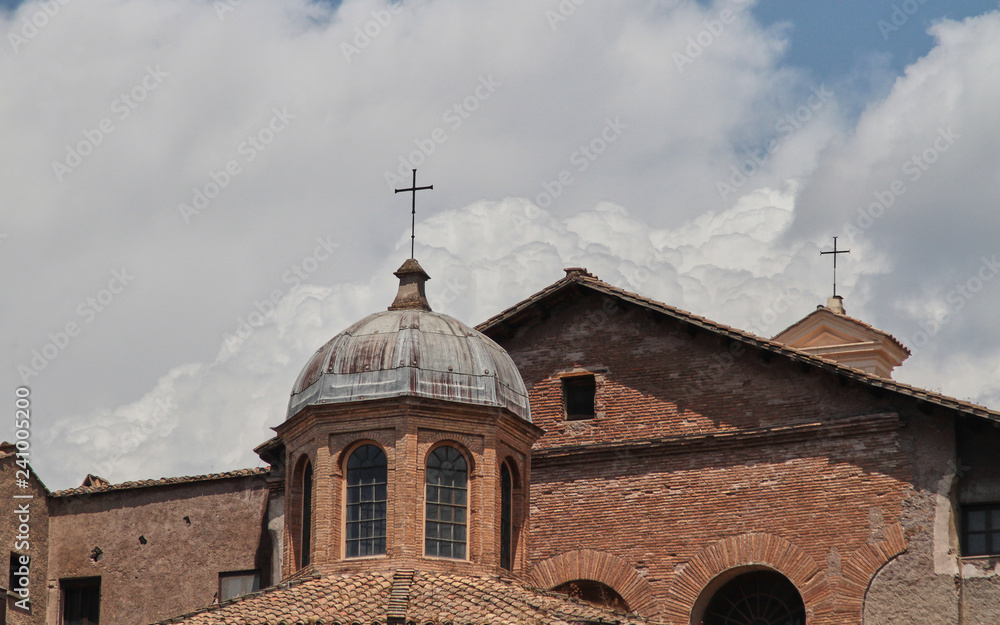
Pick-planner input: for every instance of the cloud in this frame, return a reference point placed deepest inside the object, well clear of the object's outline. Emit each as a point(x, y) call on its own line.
point(239, 140)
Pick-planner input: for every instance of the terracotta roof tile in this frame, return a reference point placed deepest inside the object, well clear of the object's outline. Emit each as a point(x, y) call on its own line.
point(578, 277)
point(163, 481)
point(434, 598)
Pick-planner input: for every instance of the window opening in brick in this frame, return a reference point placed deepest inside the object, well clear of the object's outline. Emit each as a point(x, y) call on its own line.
point(756, 598)
point(578, 395)
point(367, 496)
point(981, 530)
point(506, 517)
point(307, 515)
point(81, 601)
point(593, 592)
point(447, 482)
point(235, 583)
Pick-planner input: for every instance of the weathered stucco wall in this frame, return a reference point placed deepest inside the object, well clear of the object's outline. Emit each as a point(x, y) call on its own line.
point(158, 550)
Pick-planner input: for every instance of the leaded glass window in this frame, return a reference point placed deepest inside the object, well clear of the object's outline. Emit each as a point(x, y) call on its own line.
point(506, 516)
point(447, 488)
point(367, 495)
point(307, 492)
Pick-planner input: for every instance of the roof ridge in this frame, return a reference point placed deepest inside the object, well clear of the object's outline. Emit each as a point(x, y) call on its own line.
point(798, 355)
point(399, 596)
point(163, 481)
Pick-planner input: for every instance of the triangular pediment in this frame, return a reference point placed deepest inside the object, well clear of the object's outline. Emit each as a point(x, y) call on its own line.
point(847, 340)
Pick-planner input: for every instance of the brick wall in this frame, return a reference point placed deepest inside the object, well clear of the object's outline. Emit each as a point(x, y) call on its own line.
point(697, 441)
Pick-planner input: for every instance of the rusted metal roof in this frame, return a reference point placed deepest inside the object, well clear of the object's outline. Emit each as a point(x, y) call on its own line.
point(411, 352)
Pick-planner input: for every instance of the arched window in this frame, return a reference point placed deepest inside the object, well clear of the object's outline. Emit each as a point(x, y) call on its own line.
point(307, 490)
point(506, 517)
point(447, 482)
point(367, 494)
point(756, 598)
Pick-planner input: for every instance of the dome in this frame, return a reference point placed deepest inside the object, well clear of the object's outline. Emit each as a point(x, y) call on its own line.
point(411, 351)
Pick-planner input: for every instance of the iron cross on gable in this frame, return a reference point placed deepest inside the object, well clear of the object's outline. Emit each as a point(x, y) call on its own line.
point(413, 211)
point(835, 252)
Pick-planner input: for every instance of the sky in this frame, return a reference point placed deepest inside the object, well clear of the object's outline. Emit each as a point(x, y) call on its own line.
point(196, 195)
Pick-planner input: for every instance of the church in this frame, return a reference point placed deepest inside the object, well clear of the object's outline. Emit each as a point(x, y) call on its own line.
point(586, 456)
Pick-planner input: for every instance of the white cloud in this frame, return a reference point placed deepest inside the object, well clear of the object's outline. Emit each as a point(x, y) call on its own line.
point(643, 210)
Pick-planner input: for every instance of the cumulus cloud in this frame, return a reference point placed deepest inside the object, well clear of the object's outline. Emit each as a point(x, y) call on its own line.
point(245, 160)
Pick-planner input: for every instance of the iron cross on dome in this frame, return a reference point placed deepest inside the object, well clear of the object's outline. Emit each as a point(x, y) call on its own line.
point(413, 212)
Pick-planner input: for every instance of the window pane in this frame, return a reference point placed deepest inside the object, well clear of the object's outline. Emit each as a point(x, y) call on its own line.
point(977, 545)
point(977, 520)
point(367, 501)
point(447, 481)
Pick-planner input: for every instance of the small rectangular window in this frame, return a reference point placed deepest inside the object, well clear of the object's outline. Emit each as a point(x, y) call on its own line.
point(578, 396)
point(981, 530)
point(81, 601)
point(235, 583)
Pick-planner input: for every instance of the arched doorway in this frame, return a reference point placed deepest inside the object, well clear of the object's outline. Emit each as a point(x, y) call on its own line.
point(755, 597)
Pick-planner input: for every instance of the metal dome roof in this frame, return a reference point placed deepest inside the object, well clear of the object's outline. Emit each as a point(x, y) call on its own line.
point(409, 350)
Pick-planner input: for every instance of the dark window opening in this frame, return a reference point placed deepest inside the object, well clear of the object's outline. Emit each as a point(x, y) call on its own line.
point(447, 482)
point(81, 601)
point(506, 517)
point(756, 598)
point(981, 530)
point(307, 490)
point(593, 592)
point(578, 395)
point(367, 497)
point(235, 583)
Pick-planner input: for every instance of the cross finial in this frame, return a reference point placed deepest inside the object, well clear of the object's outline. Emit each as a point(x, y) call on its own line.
point(835, 252)
point(413, 212)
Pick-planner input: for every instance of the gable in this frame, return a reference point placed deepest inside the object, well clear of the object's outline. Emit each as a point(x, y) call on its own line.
point(536, 309)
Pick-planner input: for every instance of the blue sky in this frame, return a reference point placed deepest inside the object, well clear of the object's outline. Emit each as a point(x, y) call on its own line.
point(197, 195)
point(835, 39)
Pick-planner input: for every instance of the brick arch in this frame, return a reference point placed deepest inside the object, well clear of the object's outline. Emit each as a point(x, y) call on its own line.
point(861, 568)
point(748, 550)
point(599, 567)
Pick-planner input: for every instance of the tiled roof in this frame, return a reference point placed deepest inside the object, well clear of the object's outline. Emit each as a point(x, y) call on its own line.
point(823, 310)
point(163, 481)
point(431, 598)
point(581, 277)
